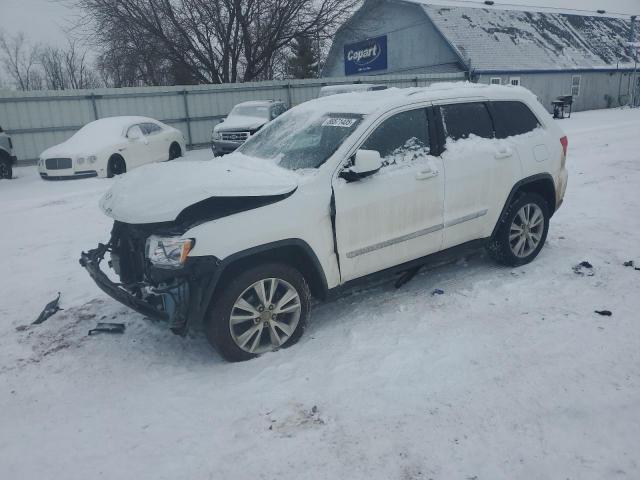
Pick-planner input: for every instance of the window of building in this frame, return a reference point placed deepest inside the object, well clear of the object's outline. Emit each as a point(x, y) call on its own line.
point(575, 85)
point(513, 118)
point(464, 119)
point(404, 133)
point(496, 81)
point(515, 81)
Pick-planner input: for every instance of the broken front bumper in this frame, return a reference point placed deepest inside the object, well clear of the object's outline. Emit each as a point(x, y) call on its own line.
point(180, 298)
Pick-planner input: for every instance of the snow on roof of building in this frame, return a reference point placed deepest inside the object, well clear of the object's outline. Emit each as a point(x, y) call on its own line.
point(512, 40)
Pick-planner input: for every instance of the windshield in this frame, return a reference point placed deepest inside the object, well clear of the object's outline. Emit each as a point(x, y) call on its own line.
point(250, 111)
point(301, 139)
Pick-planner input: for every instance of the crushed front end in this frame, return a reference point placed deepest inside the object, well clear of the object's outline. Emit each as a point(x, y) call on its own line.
point(157, 277)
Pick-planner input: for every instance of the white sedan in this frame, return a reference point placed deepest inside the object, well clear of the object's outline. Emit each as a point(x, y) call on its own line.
point(112, 146)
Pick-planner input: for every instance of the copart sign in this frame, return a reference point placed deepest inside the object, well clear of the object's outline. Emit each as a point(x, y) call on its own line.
point(366, 56)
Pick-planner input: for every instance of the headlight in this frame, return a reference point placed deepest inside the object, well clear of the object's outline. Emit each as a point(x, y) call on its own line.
point(92, 159)
point(168, 252)
point(216, 136)
point(80, 160)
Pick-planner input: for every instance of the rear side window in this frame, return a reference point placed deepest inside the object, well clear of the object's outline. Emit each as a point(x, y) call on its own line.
point(513, 118)
point(403, 133)
point(464, 119)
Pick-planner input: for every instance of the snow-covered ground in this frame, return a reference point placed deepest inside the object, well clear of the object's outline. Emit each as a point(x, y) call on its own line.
point(508, 375)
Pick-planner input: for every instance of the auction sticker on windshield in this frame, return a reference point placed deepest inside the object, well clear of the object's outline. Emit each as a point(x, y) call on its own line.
point(339, 122)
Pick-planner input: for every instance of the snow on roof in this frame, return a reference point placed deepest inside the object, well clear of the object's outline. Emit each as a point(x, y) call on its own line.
point(511, 40)
point(381, 100)
point(256, 103)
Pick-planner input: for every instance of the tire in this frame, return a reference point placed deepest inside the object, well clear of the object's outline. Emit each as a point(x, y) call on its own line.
point(175, 151)
point(250, 335)
point(116, 166)
point(515, 245)
point(6, 169)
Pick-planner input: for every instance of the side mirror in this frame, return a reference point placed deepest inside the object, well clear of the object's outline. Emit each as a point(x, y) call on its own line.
point(365, 163)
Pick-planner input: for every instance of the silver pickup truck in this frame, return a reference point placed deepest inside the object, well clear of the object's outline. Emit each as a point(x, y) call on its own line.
point(7, 158)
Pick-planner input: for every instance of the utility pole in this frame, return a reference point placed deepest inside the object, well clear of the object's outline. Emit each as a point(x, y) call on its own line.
point(634, 51)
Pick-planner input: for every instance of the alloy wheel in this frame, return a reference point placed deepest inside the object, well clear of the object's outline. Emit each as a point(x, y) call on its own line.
point(265, 316)
point(526, 230)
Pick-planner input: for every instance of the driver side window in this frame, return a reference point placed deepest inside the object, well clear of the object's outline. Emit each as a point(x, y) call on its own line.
point(401, 138)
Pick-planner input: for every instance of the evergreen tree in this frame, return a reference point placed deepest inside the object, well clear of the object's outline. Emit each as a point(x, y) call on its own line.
point(303, 63)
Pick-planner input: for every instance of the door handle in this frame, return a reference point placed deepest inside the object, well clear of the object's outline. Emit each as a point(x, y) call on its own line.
point(427, 174)
point(503, 154)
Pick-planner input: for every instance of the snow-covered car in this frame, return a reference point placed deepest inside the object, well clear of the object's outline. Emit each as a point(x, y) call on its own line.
point(329, 90)
point(331, 192)
point(111, 146)
point(244, 120)
point(7, 158)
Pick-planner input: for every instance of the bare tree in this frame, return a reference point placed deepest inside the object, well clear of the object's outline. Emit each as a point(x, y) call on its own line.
point(204, 41)
point(21, 62)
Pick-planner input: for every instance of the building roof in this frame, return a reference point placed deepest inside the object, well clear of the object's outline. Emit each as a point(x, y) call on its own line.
point(489, 39)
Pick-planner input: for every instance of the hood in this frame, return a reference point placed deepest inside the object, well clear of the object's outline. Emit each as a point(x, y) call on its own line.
point(240, 122)
point(76, 147)
point(158, 193)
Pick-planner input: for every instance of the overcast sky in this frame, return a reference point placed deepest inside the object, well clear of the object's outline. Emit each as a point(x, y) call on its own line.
point(45, 20)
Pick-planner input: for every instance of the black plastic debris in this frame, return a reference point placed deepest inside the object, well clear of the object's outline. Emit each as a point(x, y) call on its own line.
point(604, 313)
point(50, 309)
point(108, 328)
point(628, 264)
point(437, 291)
point(584, 268)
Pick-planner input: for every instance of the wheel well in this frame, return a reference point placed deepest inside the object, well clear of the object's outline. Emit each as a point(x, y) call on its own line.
point(175, 144)
point(293, 255)
point(543, 187)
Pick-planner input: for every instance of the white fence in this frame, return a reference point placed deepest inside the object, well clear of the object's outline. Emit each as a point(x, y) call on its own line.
point(38, 120)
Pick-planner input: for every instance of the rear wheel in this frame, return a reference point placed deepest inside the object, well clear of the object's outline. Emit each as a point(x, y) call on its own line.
point(260, 310)
point(116, 166)
point(175, 151)
point(522, 231)
point(6, 170)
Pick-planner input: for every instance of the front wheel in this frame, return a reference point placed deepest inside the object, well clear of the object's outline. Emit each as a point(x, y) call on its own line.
point(116, 166)
point(6, 170)
point(260, 310)
point(522, 231)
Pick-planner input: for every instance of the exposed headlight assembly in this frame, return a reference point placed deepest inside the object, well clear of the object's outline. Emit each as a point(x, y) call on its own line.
point(216, 136)
point(168, 252)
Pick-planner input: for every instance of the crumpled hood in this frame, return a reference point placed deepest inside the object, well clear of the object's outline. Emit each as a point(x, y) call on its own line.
point(159, 192)
point(240, 123)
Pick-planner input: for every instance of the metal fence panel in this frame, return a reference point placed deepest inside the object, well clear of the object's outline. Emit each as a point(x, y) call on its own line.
point(38, 120)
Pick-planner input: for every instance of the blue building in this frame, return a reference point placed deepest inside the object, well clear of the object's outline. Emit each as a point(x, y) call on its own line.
point(551, 54)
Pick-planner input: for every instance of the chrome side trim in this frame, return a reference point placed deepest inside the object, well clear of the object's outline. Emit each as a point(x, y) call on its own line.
point(466, 218)
point(411, 236)
point(393, 241)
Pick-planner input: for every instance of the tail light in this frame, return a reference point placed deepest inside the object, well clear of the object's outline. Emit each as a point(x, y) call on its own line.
point(565, 144)
point(564, 141)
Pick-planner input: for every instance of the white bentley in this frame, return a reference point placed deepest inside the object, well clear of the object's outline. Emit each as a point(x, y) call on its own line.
point(112, 146)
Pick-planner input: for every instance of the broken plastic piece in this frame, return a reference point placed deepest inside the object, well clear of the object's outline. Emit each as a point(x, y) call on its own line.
point(604, 313)
point(437, 291)
point(108, 328)
point(628, 264)
point(51, 308)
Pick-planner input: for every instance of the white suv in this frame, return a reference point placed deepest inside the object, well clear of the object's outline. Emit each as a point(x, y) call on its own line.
point(332, 191)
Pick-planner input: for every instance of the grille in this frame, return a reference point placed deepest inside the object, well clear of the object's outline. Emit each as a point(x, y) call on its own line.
point(235, 136)
point(58, 163)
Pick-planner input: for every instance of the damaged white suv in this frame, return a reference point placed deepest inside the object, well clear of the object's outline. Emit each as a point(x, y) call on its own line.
point(332, 191)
